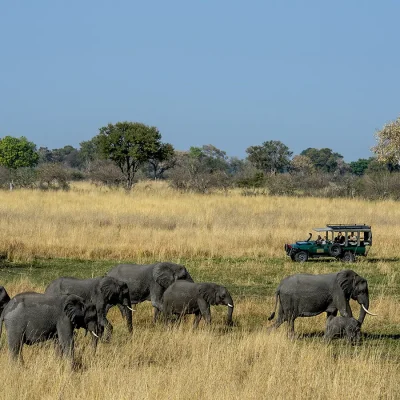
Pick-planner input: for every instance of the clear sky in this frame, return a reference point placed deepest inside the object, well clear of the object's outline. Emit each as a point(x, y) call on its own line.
point(231, 73)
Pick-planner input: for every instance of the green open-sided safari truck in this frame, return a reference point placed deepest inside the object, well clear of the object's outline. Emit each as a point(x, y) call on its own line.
point(340, 241)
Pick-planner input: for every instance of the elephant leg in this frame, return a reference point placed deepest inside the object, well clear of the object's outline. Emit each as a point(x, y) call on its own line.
point(197, 319)
point(281, 318)
point(204, 308)
point(108, 330)
point(156, 300)
point(57, 348)
point(291, 327)
point(15, 347)
point(156, 314)
point(65, 335)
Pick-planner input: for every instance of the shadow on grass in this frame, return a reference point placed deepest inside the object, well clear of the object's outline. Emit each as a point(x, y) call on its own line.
point(381, 336)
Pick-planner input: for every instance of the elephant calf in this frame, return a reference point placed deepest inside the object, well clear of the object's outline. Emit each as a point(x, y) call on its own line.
point(184, 297)
point(149, 281)
point(338, 327)
point(31, 318)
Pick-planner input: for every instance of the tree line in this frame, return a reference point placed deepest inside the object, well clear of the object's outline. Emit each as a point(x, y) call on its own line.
point(123, 153)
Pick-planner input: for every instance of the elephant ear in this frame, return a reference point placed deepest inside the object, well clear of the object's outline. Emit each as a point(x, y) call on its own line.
point(346, 279)
point(208, 292)
point(163, 275)
point(110, 288)
point(4, 297)
point(74, 308)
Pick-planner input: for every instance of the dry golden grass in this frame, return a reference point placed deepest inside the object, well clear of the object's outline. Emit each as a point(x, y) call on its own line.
point(154, 221)
point(243, 362)
point(176, 362)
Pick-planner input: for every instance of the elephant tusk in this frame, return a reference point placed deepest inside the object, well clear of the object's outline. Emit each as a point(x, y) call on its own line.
point(130, 308)
point(94, 334)
point(230, 305)
point(374, 315)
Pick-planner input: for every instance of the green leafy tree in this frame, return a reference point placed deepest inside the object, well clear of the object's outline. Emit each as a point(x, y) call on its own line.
point(210, 157)
point(128, 145)
point(271, 157)
point(324, 160)
point(387, 149)
point(17, 152)
point(360, 166)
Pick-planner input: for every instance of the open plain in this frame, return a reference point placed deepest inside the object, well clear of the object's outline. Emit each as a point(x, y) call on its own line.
point(227, 238)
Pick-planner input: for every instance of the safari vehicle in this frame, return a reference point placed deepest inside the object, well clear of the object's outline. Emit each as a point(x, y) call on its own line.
point(343, 242)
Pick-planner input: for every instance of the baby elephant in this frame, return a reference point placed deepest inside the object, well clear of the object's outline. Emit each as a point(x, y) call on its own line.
point(348, 327)
point(184, 297)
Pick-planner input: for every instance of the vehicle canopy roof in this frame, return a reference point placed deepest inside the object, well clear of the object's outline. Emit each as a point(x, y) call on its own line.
point(344, 227)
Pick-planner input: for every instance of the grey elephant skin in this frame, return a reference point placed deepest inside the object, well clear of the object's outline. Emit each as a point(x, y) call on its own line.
point(343, 327)
point(307, 295)
point(196, 298)
point(4, 298)
point(31, 317)
point(149, 281)
point(104, 292)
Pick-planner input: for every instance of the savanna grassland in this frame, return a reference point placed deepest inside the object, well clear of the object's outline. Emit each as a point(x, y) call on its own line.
point(227, 238)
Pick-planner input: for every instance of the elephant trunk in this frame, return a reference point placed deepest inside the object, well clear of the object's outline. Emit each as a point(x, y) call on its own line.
point(230, 312)
point(364, 305)
point(126, 302)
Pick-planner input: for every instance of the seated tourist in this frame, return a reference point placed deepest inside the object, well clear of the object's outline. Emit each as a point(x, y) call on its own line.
point(340, 238)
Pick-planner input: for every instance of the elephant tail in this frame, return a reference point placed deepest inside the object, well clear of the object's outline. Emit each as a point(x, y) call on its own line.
point(1, 323)
point(272, 316)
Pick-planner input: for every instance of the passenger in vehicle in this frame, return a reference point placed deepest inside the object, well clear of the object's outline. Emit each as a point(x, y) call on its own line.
point(352, 238)
point(319, 240)
point(340, 238)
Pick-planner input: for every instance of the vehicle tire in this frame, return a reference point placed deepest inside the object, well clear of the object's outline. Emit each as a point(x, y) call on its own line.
point(349, 257)
point(301, 256)
point(335, 250)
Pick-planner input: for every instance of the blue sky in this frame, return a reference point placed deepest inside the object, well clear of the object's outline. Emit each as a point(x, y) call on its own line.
point(230, 73)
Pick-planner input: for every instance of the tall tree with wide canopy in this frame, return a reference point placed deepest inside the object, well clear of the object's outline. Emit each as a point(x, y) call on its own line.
point(17, 152)
point(324, 160)
point(129, 145)
point(387, 148)
point(271, 157)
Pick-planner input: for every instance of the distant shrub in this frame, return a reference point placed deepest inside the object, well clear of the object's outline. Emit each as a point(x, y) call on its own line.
point(53, 176)
point(379, 185)
point(105, 172)
point(24, 178)
point(4, 177)
point(280, 185)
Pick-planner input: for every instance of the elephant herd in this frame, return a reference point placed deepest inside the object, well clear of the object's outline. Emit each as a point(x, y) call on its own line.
point(70, 303)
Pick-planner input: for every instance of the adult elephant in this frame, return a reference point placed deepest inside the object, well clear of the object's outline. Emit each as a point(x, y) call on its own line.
point(307, 295)
point(4, 298)
point(196, 298)
point(149, 281)
point(31, 318)
point(104, 292)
